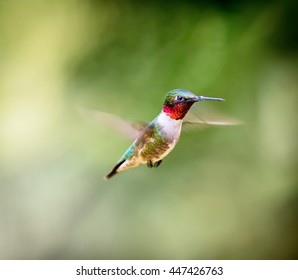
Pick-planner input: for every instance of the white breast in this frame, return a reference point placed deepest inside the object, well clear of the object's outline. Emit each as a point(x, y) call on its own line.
point(171, 128)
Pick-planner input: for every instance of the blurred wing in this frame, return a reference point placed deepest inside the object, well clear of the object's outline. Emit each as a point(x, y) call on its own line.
point(191, 120)
point(125, 127)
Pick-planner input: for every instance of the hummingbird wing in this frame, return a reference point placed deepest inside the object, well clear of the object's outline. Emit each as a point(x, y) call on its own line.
point(125, 127)
point(192, 120)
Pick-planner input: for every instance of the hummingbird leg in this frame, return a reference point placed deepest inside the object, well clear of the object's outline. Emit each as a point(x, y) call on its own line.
point(156, 164)
point(149, 163)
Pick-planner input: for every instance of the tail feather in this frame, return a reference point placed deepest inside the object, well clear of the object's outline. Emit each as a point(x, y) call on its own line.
point(114, 170)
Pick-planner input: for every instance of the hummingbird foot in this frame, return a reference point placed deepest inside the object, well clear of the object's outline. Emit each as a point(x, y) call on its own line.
point(150, 164)
point(156, 164)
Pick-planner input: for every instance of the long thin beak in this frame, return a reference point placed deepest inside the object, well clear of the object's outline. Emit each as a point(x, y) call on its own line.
point(203, 98)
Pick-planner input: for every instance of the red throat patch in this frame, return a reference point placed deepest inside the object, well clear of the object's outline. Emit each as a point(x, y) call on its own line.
point(178, 111)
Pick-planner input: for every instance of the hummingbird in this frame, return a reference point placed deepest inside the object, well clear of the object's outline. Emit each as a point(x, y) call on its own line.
point(157, 139)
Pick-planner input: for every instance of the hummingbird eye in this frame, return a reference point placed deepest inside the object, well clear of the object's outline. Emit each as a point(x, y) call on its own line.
point(179, 98)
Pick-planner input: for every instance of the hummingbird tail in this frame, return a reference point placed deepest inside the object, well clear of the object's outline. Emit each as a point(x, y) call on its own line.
point(114, 171)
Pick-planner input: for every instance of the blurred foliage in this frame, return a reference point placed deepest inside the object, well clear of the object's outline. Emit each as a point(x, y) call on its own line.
point(223, 193)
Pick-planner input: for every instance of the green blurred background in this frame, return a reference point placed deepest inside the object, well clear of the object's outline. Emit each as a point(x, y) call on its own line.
point(223, 193)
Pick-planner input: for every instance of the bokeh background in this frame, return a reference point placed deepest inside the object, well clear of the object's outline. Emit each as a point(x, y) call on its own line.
point(224, 193)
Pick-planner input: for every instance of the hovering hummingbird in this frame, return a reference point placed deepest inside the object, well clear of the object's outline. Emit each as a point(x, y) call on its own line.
point(159, 137)
point(155, 141)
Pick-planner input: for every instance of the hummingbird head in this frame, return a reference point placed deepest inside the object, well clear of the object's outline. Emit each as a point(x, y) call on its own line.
point(179, 101)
